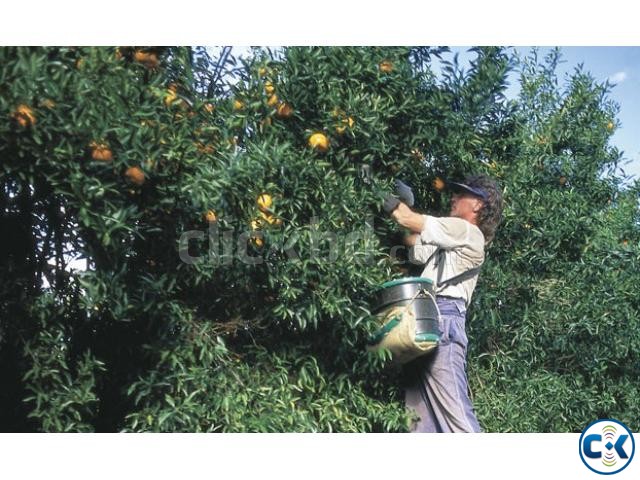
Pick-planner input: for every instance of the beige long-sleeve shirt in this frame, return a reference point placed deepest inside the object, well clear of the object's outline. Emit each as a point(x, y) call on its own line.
point(460, 243)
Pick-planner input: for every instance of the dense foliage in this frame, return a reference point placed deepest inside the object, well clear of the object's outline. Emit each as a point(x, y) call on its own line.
point(190, 244)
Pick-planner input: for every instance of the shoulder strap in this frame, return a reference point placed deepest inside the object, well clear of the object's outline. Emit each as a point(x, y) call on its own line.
point(461, 277)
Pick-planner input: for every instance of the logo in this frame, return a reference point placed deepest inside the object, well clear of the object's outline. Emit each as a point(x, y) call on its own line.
point(607, 446)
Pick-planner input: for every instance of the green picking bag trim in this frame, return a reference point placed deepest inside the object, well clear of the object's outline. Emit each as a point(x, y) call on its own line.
point(398, 335)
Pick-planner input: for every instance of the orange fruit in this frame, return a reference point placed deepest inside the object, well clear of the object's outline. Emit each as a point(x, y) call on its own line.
point(319, 141)
point(271, 219)
point(24, 115)
point(148, 59)
point(386, 66)
point(262, 71)
point(101, 152)
point(170, 97)
point(209, 107)
point(264, 201)
point(210, 216)
point(238, 105)
point(257, 241)
point(135, 175)
point(342, 128)
point(269, 89)
point(438, 184)
point(256, 223)
point(284, 110)
point(610, 126)
point(272, 101)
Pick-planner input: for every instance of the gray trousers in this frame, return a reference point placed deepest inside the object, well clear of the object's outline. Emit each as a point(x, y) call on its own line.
point(436, 384)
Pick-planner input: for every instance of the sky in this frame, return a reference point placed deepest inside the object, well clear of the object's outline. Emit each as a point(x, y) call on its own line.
point(620, 65)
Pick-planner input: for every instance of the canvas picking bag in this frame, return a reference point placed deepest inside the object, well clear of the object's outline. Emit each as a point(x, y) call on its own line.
point(408, 319)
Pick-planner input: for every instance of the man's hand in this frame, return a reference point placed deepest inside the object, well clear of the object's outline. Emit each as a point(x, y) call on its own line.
point(390, 204)
point(407, 218)
point(403, 194)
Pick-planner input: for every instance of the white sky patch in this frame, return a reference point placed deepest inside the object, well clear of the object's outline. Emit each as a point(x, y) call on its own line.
point(618, 77)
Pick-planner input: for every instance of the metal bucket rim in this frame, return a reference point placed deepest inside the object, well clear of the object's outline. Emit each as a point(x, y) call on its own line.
point(402, 281)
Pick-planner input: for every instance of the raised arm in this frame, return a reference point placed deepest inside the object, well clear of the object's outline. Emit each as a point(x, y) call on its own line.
point(407, 218)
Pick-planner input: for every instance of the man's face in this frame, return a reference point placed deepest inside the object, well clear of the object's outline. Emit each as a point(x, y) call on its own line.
point(465, 205)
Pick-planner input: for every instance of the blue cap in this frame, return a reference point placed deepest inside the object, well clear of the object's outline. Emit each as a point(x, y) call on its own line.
point(480, 192)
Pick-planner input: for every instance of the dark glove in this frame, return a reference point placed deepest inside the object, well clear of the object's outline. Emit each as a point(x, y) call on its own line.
point(403, 194)
point(390, 203)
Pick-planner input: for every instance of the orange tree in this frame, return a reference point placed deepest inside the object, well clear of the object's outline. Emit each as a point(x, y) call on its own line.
point(232, 235)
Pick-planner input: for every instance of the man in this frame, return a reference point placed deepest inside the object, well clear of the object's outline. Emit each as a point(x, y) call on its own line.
point(452, 250)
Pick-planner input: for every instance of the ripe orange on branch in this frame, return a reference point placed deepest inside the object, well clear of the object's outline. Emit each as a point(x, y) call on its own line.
point(257, 241)
point(264, 201)
point(269, 89)
point(238, 105)
point(24, 115)
point(319, 141)
point(386, 66)
point(256, 224)
point(272, 101)
point(148, 59)
point(135, 175)
point(170, 97)
point(438, 184)
point(349, 121)
point(271, 219)
point(101, 152)
point(284, 110)
point(210, 216)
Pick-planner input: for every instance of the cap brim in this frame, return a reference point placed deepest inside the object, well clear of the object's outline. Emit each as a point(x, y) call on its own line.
point(456, 186)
